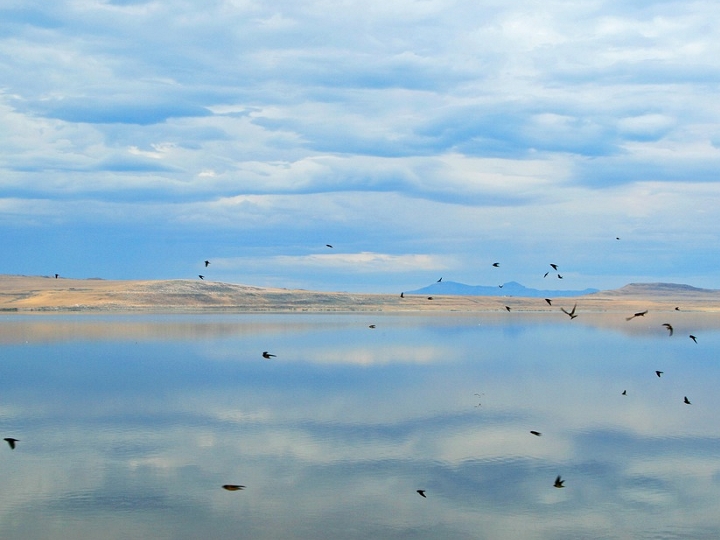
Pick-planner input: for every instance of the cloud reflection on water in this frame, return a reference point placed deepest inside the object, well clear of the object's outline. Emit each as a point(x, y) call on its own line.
point(136, 438)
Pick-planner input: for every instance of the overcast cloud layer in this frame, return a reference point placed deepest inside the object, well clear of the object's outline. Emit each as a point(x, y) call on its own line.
point(419, 138)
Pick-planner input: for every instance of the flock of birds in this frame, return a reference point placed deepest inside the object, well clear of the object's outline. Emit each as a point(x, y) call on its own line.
point(559, 482)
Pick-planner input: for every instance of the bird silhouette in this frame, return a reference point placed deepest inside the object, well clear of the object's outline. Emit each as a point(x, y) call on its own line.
point(659, 373)
point(559, 276)
point(536, 433)
point(439, 280)
point(421, 492)
point(496, 265)
point(402, 295)
point(11, 442)
point(687, 401)
point(207, 263)
point(328, 245)
point(677, 308)
point(617, 238)
point(693, 338)
point(546, 274)
point(268, 355)
point(500, 286)
point(507, 307)
point(57, 276)
point(638, 314)
point(624, 393)
point(430, 297)
point(570, 313)
point(233, 487)
point(201, 276)
point(554, 266)
point(548, 301)
point(559, 482)
point(371, 326)
point(669, 327)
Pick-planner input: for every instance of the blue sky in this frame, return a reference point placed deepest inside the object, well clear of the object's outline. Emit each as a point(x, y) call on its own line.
point(420, 138)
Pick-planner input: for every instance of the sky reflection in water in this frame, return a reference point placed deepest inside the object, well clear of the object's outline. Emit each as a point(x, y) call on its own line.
point(129, 425)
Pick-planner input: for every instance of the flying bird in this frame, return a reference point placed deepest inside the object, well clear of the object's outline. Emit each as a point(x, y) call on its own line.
point(439, 280)
point(479, 395)
point(638, 314)
point(548, 301)
point(500, 286)
point(687, 401)
point(536, 433)
point(496, 265)
point(559, 276)
point(570, 313)
point(430, 297)
point(624, 393)
point(11, 442)
point(693, 338)
point(421, 492)
point(233, 487)
point(659, 373)
point(617, 238)
point(546, 274)
point(328, 245)
point(402, 295)
point(507, 307)
point(669, 327)
point(57, 276)
point(554, 266)
point(559, 482)
point(268, 355)
point(207, 263)
point(371, 326)
point(201, 276)
point(677, 308)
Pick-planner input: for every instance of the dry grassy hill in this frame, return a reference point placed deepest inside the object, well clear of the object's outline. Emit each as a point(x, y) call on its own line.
point(47, 294)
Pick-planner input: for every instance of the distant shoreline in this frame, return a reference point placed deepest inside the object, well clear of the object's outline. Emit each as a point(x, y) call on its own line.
point(38, 294)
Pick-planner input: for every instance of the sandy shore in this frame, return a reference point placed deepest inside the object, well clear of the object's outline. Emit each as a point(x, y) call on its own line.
point(39, 294)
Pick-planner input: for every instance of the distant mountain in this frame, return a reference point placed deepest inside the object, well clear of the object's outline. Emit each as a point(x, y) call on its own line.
point(512, 288)
point(660, 289)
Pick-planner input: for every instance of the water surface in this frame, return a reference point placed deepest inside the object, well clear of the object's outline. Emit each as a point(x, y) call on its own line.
point(130, 425)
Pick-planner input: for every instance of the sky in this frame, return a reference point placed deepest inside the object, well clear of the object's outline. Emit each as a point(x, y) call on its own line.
point(420, 138)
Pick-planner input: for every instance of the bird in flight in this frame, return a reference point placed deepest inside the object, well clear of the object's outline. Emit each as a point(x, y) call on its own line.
point(500, 286)
point(328, 245)
point(421, 492)
point(548, 301)
point(496, 265)
point(546, 274)
point(507, 307)
point(659, 373)
point(430, 297)
point(559, 482)
point(669, 327)
point(207, 263)
point(624, 393)
point(11, 442)
point(201, 276)
point(570, 313)
point(638, 314)
point(439, 280)
point(57, 276)
point(554, 266)
point(677, 308)
point(268, 355)
point(371, 326)
point(536, 433)
point(402, 295)
point(693, 338)
point(479, 395)
point(233, 487)
point(687, 401)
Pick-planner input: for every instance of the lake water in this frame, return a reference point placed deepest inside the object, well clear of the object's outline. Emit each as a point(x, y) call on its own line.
point(130, 425)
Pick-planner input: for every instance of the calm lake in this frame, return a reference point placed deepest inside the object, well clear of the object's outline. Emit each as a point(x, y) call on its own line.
point(130, 425)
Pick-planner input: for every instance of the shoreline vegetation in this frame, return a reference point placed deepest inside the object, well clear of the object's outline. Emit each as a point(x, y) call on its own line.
point(43, 294)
